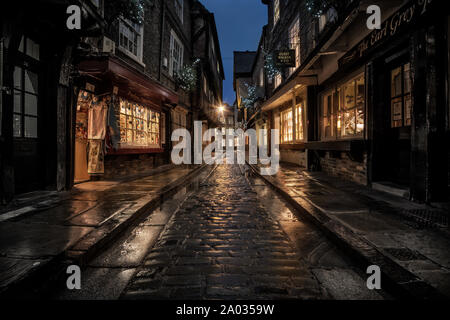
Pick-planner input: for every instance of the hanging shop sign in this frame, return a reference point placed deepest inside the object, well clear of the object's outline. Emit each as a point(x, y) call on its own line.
point(403, 19)
point(284, 58)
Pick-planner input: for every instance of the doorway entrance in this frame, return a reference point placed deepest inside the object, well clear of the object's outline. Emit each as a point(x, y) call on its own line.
point(392, 124)
point(28, 129)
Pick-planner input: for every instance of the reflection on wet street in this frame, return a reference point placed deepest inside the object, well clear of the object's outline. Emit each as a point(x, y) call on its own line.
point(225, 236)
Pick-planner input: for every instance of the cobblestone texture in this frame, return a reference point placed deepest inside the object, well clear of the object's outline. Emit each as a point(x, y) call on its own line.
point(222, 244)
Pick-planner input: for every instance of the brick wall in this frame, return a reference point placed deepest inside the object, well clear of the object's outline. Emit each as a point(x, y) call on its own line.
point(342, 166)
point(294, 156)
point(118, 166)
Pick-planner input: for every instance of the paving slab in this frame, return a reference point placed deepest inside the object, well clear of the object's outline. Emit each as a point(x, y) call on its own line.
point(18, 239)
point(78, 223)
point(14, 269)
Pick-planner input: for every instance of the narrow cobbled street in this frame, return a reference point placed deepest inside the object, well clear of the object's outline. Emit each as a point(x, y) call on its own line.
point(233, 238)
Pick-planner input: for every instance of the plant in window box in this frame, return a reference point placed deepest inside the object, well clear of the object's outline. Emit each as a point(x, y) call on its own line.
point(186, 78)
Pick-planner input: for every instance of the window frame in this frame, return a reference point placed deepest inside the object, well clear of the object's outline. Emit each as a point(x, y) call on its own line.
point(179, 9)
point(150, 123)
point(174, 40)
point(294, 44)
point(300, 120)
point(124, 23)
point(402, 97)
point(29, 62)
point(277, 81)
point(287, 126)
point(338, 109)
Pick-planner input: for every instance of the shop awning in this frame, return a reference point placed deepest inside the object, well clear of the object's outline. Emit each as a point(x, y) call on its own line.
point(130, 81)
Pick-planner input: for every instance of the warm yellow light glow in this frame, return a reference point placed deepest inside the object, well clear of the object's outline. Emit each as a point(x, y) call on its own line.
point(221, 108)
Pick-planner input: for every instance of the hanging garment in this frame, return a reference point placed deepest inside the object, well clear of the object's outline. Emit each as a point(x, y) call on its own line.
point(96, 157)
point(98, 112)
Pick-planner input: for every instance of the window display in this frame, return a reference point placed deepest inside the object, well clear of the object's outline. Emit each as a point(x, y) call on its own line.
point(343, 110)
point(286, 126)
point(299, 124)
point(139, 125)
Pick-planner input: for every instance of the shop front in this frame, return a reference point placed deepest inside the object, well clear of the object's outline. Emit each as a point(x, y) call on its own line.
point(287, 112)
point(121, 122)
point(393, 86)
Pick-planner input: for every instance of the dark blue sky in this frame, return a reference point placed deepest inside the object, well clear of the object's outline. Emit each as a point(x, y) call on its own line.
point(239, 24)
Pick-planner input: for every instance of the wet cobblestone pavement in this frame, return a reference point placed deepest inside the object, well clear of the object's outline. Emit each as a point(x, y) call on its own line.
point(222, 244)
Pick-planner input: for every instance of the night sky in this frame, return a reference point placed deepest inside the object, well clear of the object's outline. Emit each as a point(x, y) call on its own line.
point(239, 24)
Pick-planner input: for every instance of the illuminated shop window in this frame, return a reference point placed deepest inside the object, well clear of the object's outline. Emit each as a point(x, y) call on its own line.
point(351, 108)
point(401, 96)
point(286, 126)
point(343, 111)
point(139, 125)
point(299, 122)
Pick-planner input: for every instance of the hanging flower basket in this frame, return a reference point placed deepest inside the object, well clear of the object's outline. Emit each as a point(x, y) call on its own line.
point(269, 65)
point(251, 98)
point(186, 78)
